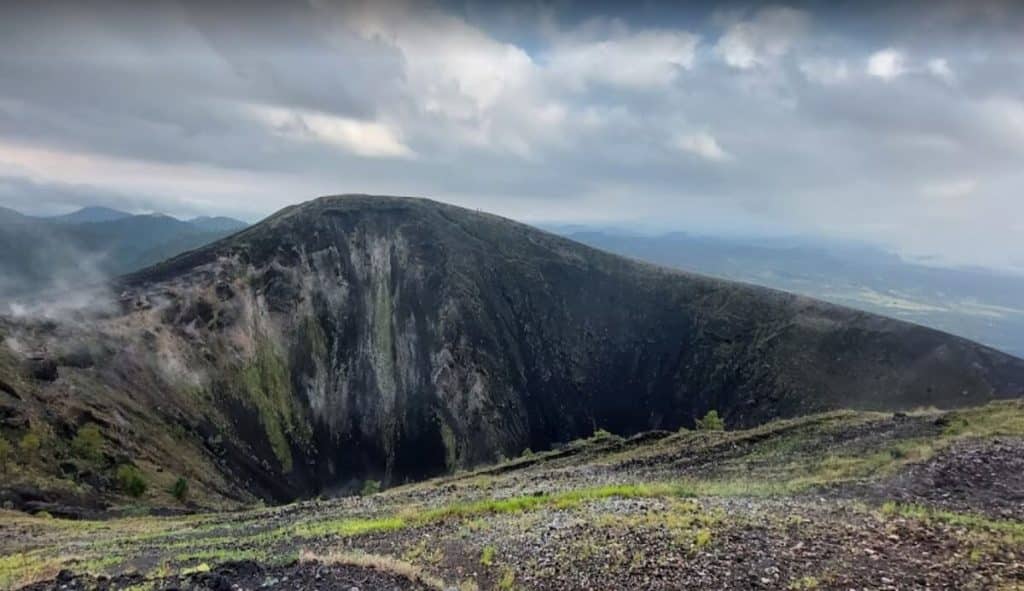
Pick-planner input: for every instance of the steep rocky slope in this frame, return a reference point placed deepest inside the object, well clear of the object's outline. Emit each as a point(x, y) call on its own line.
point(364, 337)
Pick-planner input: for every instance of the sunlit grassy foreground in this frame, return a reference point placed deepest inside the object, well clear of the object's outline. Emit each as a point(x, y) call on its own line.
point(779, 459)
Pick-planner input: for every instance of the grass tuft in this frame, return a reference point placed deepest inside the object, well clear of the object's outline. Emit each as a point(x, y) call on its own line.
point(385, 564)
point(487, 556)
point(349, 527)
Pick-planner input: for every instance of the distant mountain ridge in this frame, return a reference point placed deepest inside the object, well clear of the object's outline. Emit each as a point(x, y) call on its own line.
point(217, 223)
point(92, 243)
point(88, 215)
point(94, 213)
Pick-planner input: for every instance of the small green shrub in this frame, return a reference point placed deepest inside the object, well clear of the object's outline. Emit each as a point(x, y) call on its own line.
point(701, 539)
point(527, 453)
point(711, 422)
point(131, 480)
point(30, 443)
point(88, 442)
point(29, 446)
point(487, 556)
point(180, 489)
point(370, 487)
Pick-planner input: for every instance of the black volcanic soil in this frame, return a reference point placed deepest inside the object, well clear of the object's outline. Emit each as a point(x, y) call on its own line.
point(246, 575)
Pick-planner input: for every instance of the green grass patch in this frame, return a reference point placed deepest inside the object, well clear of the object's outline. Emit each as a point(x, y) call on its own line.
point(574, 498)
point(483, 507)
point(487, 556)
point(349, 527)
point(25, 567)
point(571, 499)
point(701, 538)
point(1003, 418)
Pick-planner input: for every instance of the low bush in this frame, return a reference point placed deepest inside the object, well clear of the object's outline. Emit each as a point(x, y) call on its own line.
point(30, 444)
point(370, 487)
point(88, 442)
point(131, 481)
point(711, 422)
point(180, 489)
point(487, 556)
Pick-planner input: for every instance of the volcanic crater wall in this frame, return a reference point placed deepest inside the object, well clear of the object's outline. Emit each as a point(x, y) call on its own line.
point(390, 338)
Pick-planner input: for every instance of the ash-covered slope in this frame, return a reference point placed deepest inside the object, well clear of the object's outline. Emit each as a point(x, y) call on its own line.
point(395, 338)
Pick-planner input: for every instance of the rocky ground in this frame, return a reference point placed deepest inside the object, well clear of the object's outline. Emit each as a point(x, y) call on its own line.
point(985, 477)
point(247, 575)
point(843, 500)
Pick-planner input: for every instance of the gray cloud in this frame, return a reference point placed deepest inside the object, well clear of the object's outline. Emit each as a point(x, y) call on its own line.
point(743, 117)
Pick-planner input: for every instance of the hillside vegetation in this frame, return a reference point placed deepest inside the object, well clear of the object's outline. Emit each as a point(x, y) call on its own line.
point(838, 500)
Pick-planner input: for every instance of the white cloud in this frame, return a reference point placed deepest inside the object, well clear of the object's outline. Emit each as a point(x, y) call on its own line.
point(460, 88)
point(886, 64)
point(701, 144)
point(939, 68)
point(638, 60)
point(762, 39)
point(190, 186)
point(825, 70)
point(950, 189)
point(455, 68)
point(362, 138)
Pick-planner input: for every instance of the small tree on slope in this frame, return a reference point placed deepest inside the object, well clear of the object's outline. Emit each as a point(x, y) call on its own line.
point(711, 422)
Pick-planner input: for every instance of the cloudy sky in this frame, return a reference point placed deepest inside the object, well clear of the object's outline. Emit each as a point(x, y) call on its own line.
point(900, 124)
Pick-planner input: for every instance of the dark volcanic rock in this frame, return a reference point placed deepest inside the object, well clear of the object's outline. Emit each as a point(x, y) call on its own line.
point(394, 338)
point(246, 575)
point(985, 477)
point(42, 368)
point(57, 503)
